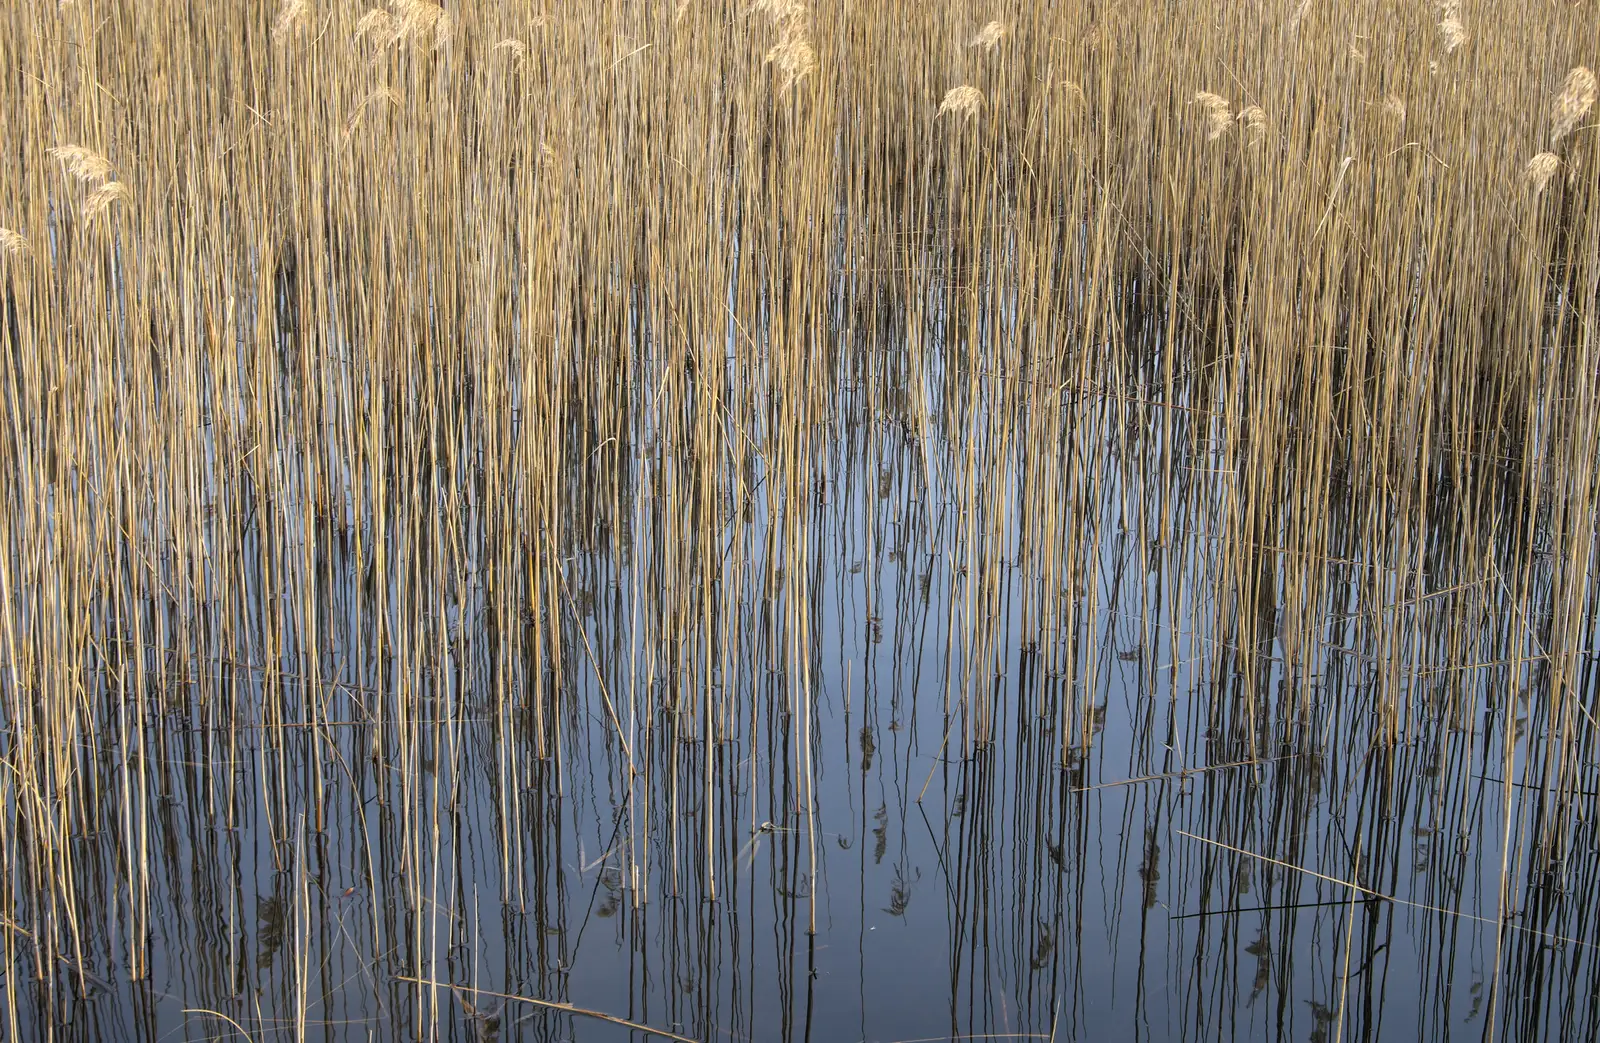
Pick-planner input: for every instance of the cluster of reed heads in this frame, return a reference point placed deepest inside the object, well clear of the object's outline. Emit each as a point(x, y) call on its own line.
point(352, 354)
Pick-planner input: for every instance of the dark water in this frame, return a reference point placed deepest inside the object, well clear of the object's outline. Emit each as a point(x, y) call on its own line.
point(943, 796)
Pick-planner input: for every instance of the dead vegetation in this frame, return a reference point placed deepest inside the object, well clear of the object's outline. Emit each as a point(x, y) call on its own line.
point(497, 312)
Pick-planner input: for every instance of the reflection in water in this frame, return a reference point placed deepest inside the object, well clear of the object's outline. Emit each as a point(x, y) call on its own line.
point(525, 542)
point(859, 768)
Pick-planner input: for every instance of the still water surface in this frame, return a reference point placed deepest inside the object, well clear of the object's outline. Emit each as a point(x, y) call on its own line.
point(930, 809)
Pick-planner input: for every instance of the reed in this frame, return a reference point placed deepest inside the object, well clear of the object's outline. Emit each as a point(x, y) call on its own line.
point(417, 401)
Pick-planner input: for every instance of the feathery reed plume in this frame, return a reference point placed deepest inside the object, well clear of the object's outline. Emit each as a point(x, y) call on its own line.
point(376, 24)
point(780, 11)
point(82, 163)
point(1299, 14)
point(365, 465)
point(417, 20)
point(388, 94)
point(13, 244)
point(793, 54)
point(516, 48)
point(1540, 170)
point(102, 198)
point(293, 14)
point(1451, 27)
point(1454, 32)
point(1573, 103)
point(1219, 115)
point(964, 100)
point(795, 58)
point(989, 36)
point(1254, 119)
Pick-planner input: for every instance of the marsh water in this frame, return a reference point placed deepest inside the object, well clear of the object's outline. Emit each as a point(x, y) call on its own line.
point(928, 808)
point(769, 520)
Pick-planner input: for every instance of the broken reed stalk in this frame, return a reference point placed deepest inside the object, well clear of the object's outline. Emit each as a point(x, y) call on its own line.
point(565, 1008)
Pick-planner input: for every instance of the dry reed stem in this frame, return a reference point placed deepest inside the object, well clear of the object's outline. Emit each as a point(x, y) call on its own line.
point(395, 383)
point(1573, 103)
point(963, 101)
point(224, 1018)
point(1333, 195)
point(989, 36)
point(85, 164)
point(566, 1008)
point(1381, 896)
point(1218, 113)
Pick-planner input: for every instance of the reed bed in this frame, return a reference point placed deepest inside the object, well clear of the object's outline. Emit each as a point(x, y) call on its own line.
point(433, 423)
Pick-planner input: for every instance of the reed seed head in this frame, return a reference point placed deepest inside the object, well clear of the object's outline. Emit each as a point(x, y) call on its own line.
point(1218, 113)
point(780, 11)
point(85, 164)
point(794, 56)
point(13, 244)
point(1540, 170)
point(989, 36)
point(1254, 119)
point(388, 94)
point(438, 397)
point(376, 24)
point(421, 22)
point(1573, 103)
point(101, 198)
point(1453, 31)
point(515, 48)
point(291, 16)
point(964, 101)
